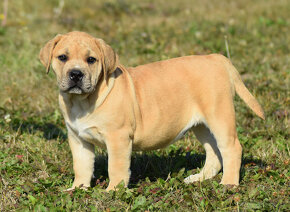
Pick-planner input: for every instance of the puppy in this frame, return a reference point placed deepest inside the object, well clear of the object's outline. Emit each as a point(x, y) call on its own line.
point(144, 108)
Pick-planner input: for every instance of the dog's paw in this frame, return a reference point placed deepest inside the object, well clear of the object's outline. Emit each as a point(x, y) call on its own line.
point(193, 178)
point(68, 190)
point(74, 187)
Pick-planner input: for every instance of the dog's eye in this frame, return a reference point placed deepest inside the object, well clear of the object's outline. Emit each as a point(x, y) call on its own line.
point(62, 58)
point(91, 60)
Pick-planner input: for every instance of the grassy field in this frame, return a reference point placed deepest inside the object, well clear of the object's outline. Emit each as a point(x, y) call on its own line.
point(35, 159)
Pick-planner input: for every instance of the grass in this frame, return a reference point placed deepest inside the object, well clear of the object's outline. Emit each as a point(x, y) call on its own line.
point(36, 163)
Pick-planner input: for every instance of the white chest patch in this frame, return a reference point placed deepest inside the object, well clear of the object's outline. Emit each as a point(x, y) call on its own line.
point(87, 132)
point(195, 120)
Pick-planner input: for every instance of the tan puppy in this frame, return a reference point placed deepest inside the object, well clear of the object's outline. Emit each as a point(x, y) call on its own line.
point(146, 107)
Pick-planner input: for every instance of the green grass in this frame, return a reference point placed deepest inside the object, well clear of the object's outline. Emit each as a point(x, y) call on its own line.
point(35, 160)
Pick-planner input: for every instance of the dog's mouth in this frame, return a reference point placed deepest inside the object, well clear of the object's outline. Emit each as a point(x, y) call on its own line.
point(79, 88)
point(83, 86)
point(75, 90)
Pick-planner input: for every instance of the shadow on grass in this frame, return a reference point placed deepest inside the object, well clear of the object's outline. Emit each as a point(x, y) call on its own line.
point(154, 166)
point(250, 162)
point(49, 130)
point(150, 165)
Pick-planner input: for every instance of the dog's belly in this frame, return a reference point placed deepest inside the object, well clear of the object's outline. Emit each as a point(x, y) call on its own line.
point(166, 135)
point(195, 120)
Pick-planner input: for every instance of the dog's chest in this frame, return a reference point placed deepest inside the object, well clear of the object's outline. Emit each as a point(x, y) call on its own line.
point(82, 123)
point(87, 131)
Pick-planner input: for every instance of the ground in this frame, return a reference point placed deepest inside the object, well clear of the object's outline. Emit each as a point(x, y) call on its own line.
point(36, 163)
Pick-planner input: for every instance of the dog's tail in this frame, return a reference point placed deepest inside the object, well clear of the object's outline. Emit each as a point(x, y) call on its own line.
point(243, 92)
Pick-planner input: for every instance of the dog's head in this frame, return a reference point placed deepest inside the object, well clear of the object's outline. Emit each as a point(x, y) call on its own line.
point(78, 60)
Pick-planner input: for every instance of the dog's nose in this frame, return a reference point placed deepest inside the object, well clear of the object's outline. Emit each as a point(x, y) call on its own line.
point(76, 75)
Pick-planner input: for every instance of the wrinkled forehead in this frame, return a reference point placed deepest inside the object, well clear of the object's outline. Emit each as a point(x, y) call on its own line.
point(77, 45)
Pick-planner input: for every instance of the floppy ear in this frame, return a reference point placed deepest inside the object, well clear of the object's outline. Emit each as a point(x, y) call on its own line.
point(108, 58)
point(45, 54)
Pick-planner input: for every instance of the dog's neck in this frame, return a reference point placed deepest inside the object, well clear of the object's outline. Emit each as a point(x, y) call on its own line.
point(103, 89)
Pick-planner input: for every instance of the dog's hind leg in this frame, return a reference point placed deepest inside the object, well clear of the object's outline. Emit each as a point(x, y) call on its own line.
point(222, 124)
point(231, 152)
point(213, 162)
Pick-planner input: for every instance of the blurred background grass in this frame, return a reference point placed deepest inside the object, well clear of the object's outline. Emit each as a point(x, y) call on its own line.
point(142, 32)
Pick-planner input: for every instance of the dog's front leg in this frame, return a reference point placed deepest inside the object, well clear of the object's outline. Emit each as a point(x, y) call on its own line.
point(119, 148)
point(83, 160)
